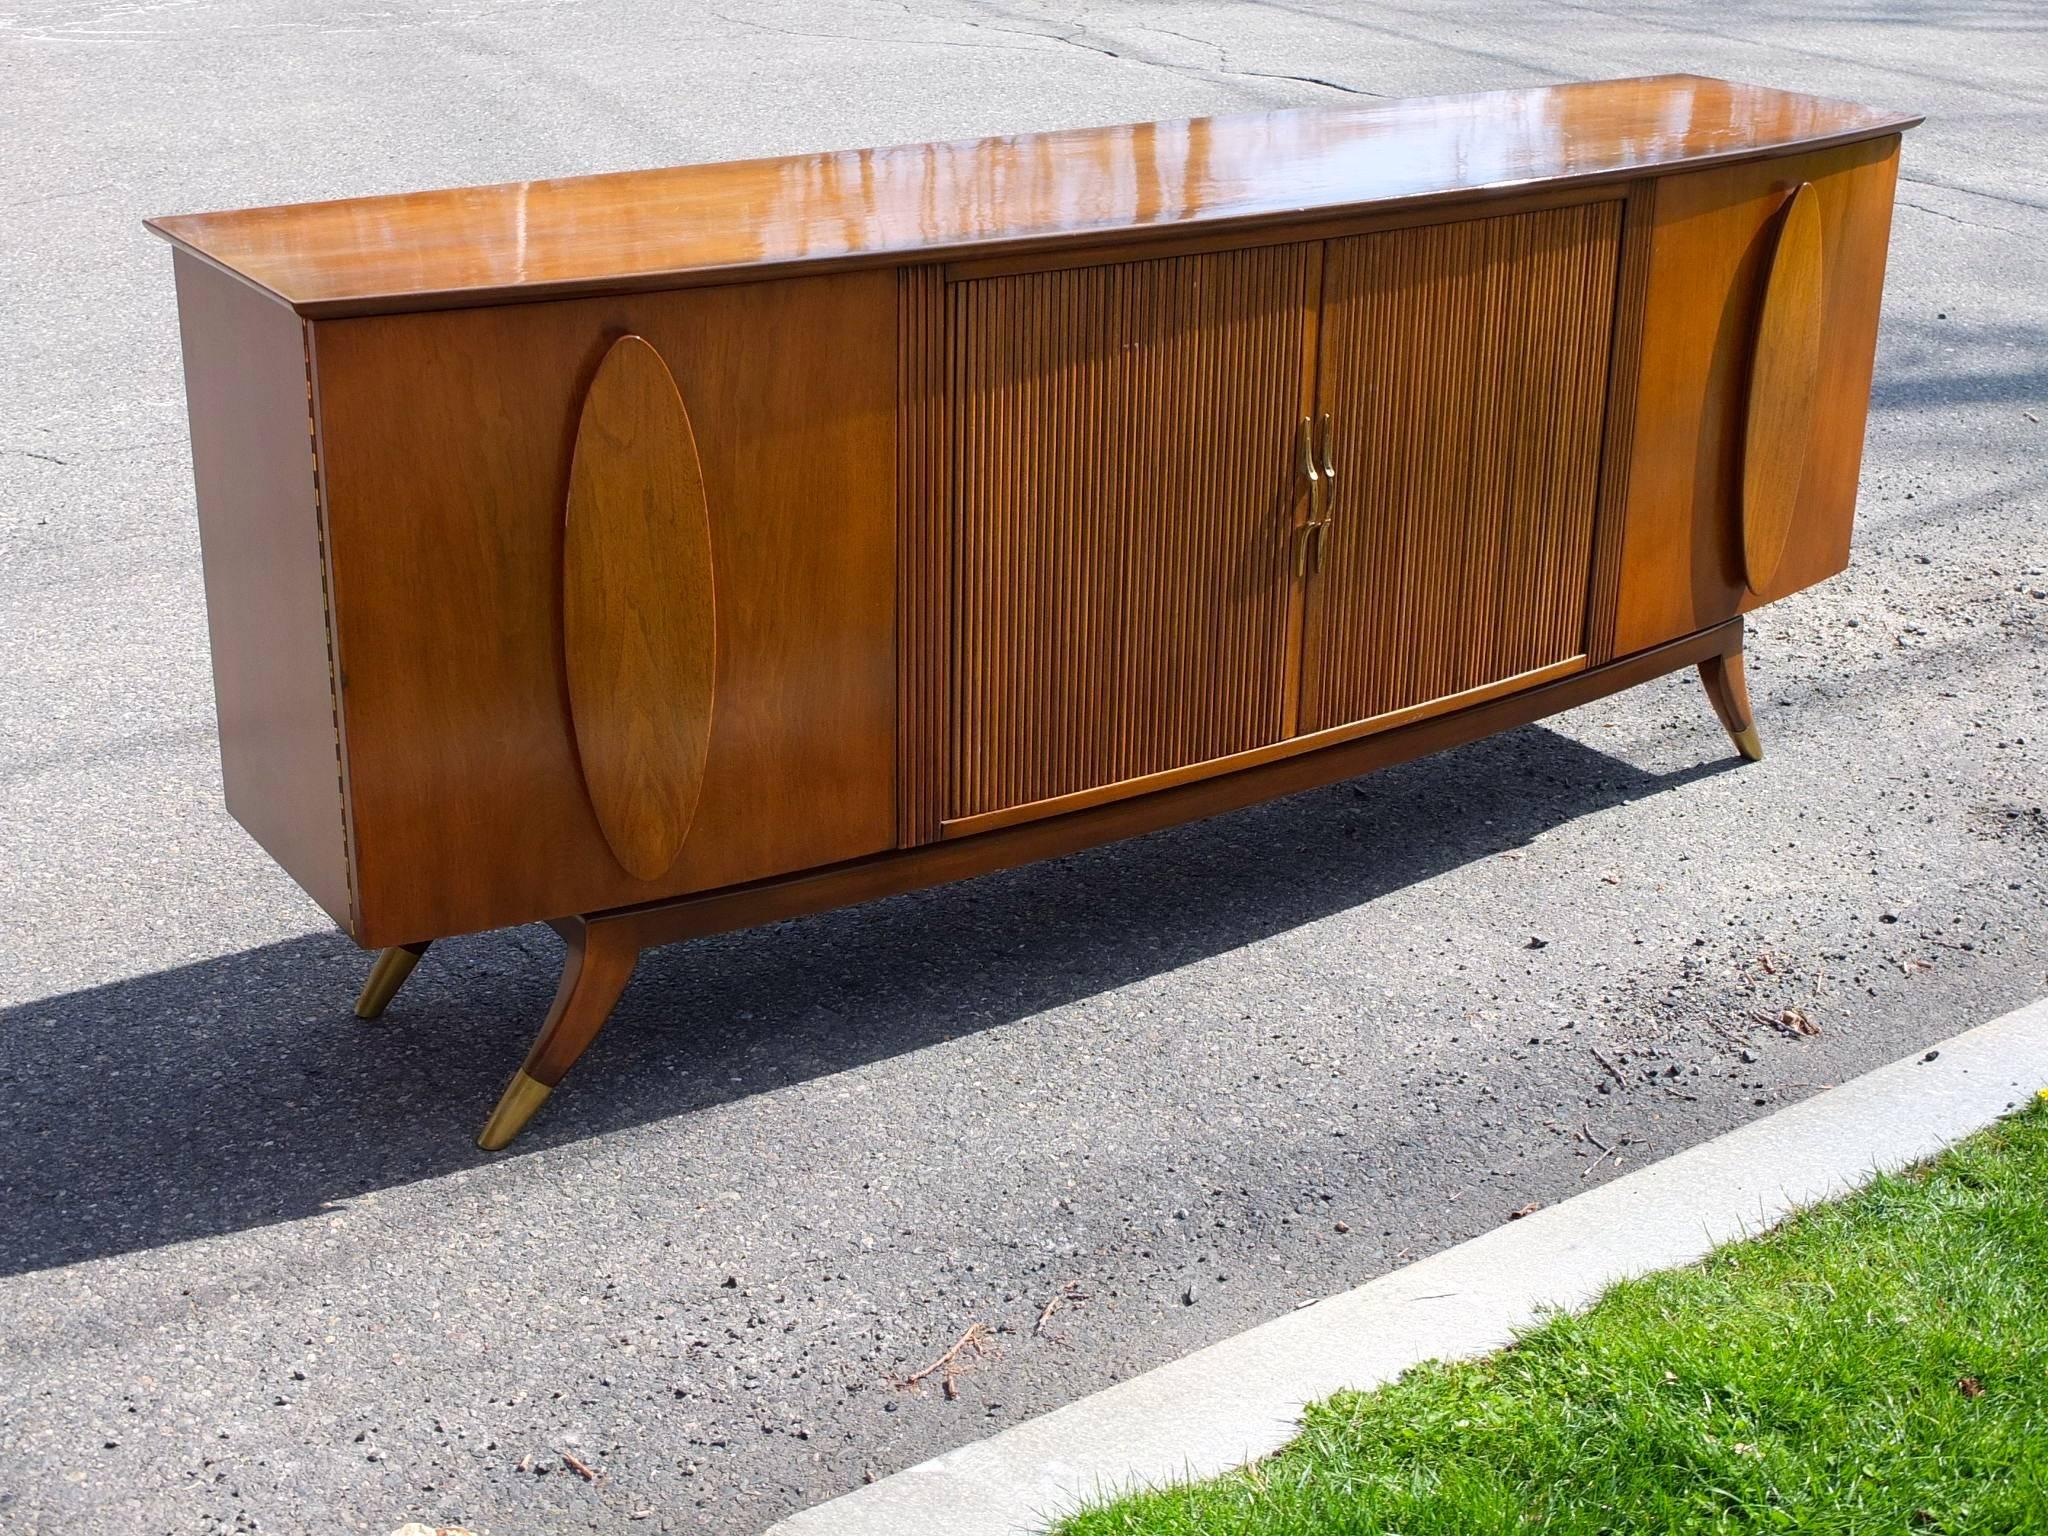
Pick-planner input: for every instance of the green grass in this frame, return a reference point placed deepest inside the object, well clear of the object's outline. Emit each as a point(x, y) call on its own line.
point(1875, 1365)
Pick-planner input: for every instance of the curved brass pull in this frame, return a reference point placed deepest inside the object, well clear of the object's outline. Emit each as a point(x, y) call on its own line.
point(1306, 535)
point(1329, 468)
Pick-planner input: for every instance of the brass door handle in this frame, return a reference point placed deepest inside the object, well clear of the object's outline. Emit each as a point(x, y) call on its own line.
point(1307, 535)
point(1329, 467)
point(1321, 474)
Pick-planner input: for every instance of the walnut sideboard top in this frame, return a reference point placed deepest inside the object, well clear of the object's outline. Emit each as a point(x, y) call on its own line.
point(640, 230)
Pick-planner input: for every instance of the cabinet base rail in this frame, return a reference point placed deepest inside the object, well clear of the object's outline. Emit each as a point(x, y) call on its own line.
point(604, 947)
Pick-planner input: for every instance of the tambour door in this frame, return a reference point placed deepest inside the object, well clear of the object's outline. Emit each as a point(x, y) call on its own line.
point(1463, 372)
point(1120, 526)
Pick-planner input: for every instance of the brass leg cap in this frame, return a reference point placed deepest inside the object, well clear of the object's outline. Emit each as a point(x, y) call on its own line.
point(386, 977)
point(1750, 745)
point(522, 1096)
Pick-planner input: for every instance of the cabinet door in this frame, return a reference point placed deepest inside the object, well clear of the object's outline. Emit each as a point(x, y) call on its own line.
point(1733, 436)
point(513, 657)
point(1122, 519)
point(1463, 372)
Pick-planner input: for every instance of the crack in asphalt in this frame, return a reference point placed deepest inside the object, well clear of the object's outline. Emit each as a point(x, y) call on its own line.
point(2009, 199)
point(1954, 219)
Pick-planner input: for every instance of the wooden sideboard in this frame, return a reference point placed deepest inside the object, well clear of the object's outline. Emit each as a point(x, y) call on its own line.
point(662, 553)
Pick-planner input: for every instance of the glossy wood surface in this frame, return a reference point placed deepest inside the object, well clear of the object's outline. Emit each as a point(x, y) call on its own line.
point(639, 609)
point(446, 441)
point(603, 947)
point(924, 559)
point(665, 228)
point(1464, 371)
point(1145, 473)
point(1051, 837)
point(1624, 369)
point(1125, 507)
point(1682, 563)
point(1727, 686)
point(595, 970)
point(1782, 402)
point(1258, 757)
point(263, 544)
point(594, 974)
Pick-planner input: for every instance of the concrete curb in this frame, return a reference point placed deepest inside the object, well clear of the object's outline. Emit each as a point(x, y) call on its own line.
point(1239, 1399)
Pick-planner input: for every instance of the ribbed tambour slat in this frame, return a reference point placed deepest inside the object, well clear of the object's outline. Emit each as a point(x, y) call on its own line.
point(1122, 515)
point(1465, 368)
point(923, 553)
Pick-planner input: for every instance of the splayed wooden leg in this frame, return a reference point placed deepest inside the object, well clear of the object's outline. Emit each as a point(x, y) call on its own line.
point(1728, 691)
point(599, 964)
point(387, 976)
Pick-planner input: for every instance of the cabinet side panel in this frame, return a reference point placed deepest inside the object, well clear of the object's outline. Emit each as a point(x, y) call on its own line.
point(447, 442)
point(263, 549)
point(1681, 564)
point(924, 553)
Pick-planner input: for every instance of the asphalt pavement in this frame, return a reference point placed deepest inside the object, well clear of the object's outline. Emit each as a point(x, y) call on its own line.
point(253, 1277)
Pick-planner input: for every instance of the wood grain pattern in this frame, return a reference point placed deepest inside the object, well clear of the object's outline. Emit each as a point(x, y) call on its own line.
point(1624, 367)
point(595, 971)
point(1682, 548)
point(1125, 502)
point(446, 441)
point(1464, 368)
point(924, 621)
point(1311, 225)
point(262, 538)
point(641, 230)
point(1784, 367)
point(1049, 837)
point(1089, 483)
point(1727, 689)
point(1254, 757)
point(639, 604)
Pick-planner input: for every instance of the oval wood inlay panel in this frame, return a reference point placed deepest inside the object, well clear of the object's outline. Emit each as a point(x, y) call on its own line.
point(638, 628)
point(1783, 375)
